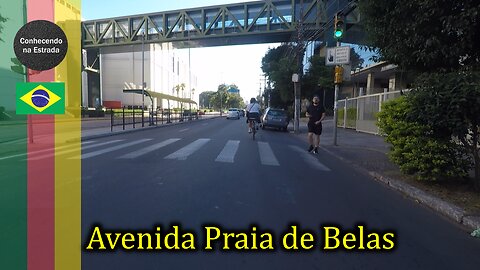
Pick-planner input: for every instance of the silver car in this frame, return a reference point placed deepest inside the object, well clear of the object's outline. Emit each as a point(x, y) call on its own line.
point(275, 118)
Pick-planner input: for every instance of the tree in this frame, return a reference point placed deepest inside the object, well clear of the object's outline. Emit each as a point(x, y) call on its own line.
point(223, 99)
point(318, 77)
point(441, 39)
point(424, 35)
point(355, 59)
point(2, 21)
point(179, 87)
point(279, 64)
point(205, 99)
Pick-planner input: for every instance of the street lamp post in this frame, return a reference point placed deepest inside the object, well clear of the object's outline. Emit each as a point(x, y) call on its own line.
point(190, 85)
point(143, 75)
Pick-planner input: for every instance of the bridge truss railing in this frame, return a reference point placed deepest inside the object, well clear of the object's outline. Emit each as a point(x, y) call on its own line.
point(260, 17)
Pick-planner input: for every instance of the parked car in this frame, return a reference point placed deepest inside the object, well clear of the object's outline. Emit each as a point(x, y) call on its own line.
point(233, 113)
point(275, 118)
point(242, 112)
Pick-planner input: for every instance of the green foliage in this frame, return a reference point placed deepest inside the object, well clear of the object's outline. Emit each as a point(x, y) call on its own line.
point(355, 59)
point(205, 99)
point(279, 64)
point(450, 104)
point(414, 146)
point(2, 20)
point(318, 76)
point(424, 35)
point(223, 99)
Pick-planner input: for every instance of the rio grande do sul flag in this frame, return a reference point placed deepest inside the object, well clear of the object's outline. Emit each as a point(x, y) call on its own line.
point(40, 98)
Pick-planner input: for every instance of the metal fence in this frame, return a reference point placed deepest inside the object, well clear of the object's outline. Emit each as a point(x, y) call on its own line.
point(137, 118)
point(360, 113)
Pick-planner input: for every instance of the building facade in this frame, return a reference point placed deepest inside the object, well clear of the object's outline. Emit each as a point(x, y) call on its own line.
point(165, 69)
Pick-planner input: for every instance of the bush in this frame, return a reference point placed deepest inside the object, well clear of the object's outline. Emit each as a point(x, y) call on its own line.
point(414, 146)
point(449, 102)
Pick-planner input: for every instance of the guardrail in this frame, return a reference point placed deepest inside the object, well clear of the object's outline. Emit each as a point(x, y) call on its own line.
point(137, 118)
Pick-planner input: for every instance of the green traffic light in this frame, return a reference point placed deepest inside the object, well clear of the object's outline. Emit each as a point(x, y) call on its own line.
point(338, 33)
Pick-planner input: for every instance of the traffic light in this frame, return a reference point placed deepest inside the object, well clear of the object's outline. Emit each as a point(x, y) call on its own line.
point(338, 27)
point(338, 74)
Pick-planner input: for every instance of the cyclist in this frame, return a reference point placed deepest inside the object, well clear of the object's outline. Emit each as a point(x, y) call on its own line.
point(253, 111)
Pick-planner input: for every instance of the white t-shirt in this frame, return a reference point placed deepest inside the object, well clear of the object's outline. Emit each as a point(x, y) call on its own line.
point(253, 108)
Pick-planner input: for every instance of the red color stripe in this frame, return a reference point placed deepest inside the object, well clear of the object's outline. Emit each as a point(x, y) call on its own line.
point(41, 173)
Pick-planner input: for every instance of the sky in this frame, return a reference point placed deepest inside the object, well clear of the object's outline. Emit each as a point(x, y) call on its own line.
point(238, 65)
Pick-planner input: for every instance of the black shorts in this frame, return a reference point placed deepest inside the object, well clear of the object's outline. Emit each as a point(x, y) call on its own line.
point(312, 128)
point(253, 115)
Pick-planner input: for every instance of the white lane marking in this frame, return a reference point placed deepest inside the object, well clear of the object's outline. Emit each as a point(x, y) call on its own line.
point(183, 130)
point(149, 149)
point(228, 153)
point(110, 149)
point(73, 150)
point(267, 157)
point(183, 153)
point(43, 151)
point(310, 159)
point(17, 141)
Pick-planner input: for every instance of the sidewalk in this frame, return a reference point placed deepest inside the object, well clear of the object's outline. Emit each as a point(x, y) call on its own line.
point(368, 154)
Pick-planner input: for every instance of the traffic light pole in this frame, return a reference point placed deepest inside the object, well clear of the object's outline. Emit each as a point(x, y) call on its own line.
point(335, 109)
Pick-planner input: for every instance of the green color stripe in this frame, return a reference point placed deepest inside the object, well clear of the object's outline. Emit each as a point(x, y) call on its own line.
point(13, 136)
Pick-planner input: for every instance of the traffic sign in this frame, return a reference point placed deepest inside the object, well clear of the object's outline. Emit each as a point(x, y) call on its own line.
point(337, 56)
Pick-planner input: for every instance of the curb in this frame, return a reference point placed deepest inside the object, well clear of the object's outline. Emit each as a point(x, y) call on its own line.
point(120, 132)
point(449, 210)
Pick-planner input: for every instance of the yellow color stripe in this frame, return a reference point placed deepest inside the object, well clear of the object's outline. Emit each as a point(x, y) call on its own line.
point(68, 172)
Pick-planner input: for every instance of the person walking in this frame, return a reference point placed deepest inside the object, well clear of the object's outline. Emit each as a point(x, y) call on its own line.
point(315, 114)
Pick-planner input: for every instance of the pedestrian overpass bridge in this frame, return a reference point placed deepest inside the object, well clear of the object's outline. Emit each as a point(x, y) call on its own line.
point(255, 22)
point(110, 43)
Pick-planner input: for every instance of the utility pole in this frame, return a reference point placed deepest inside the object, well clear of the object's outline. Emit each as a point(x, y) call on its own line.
point(297, 79)
point(338, 34)
point(190, 85)
point(143, 70)
point(335, 110)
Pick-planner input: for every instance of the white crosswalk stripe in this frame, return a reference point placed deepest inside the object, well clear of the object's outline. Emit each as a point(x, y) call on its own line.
point(73, 150)
point(228, 153)
point(44, 151)
point(149, 149)
point(110, 149)
point(18, 141)
point(310, 159)
point(267, 157)
point(186, 151)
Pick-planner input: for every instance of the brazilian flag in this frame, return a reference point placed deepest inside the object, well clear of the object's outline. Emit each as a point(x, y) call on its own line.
point(41, 98)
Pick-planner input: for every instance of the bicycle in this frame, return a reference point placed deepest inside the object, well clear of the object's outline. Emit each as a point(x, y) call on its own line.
point(253, 122)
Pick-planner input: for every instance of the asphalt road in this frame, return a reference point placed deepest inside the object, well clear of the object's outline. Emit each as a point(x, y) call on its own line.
point(212, 172)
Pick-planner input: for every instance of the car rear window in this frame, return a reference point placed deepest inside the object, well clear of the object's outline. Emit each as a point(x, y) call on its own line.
point(277, 113)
